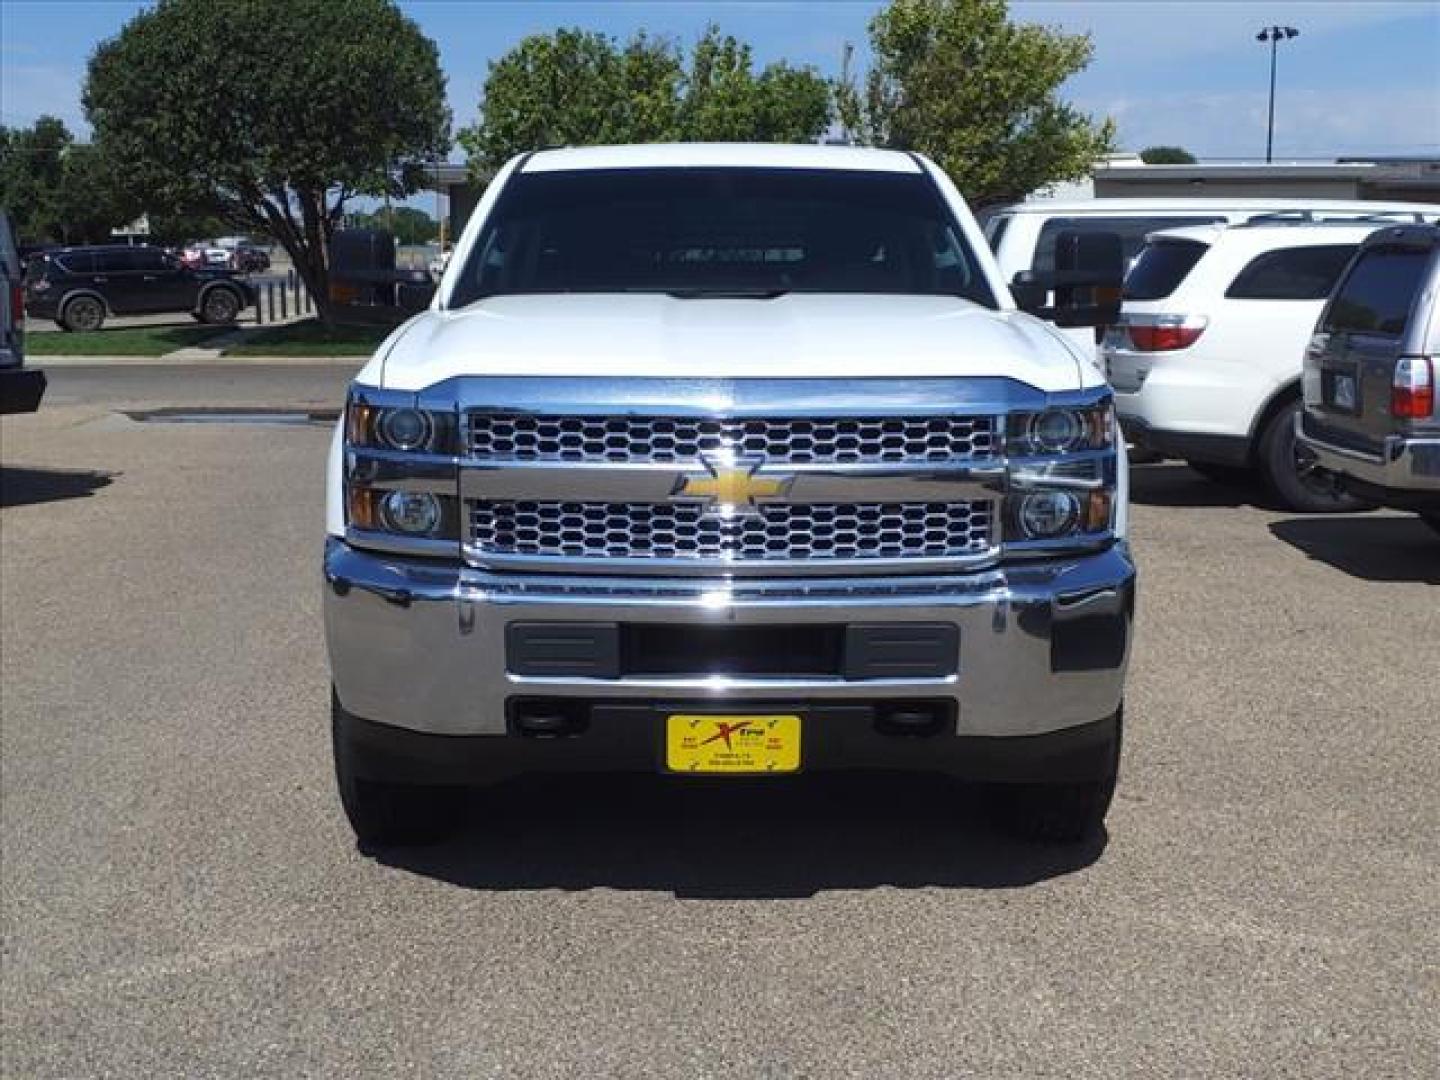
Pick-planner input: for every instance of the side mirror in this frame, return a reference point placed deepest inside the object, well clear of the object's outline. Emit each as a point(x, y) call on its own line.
point(1089, 271)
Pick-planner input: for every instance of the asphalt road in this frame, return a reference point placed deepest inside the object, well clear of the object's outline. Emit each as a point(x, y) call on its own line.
point(181, 895)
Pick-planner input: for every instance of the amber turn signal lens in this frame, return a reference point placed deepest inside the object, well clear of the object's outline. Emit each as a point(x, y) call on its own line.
point(359, 423)
point(1095, 517)
point(363, 509)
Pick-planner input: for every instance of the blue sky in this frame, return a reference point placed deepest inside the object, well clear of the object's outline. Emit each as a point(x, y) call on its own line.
point(1363, 77)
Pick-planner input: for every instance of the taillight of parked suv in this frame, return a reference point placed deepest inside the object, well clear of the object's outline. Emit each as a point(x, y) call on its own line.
point(1412, 388)
point(36, 275)
point(1164, 333)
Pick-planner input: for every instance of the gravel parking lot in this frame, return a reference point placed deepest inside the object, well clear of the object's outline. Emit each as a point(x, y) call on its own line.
point(182, 896)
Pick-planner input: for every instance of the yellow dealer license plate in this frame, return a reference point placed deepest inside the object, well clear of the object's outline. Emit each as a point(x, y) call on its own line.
point(732, 744)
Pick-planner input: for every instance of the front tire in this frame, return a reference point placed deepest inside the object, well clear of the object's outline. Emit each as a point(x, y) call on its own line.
point(1067, 813)
point(83, 314)
point(384, 814)
point(1289, 473)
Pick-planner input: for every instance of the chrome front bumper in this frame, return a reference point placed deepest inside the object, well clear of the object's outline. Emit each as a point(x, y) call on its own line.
point(420, 644)
point(1402, 464)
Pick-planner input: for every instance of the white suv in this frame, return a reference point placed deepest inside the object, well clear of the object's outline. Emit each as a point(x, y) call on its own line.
point(1206, 357)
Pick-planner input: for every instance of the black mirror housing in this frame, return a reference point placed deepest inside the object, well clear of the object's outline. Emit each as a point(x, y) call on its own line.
point(1086, 281)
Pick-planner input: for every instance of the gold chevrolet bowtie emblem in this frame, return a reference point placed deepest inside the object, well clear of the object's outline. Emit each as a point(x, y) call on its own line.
point(730, 488)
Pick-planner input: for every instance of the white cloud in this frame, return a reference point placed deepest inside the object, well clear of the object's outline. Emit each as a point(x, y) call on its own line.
point(1308, 123)
point(1172, 30)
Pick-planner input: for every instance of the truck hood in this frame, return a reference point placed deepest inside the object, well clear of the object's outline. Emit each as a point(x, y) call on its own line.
point(798, 335)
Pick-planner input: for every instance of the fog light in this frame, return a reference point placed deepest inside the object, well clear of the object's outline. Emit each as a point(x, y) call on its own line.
point(414, 512)
point(1056, 429)
point(1048, 514)
point(405, 429)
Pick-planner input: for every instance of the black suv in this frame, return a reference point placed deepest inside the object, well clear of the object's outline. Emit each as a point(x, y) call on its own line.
point(79, 286)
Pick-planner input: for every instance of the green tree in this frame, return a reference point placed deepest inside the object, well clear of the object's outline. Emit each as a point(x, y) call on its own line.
point(960, 82)
point(273, 113)
point(409, 225)
point(92, 200)
point(573, 87)
point(58, 190)
point(576, 88)
point(31, 168)
point(1167, 155)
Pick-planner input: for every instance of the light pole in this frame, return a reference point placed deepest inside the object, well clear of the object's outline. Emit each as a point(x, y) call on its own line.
point(1274, 35)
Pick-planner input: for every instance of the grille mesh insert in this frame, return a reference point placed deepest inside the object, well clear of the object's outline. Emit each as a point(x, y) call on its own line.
point(782, 532)
point(855, 440)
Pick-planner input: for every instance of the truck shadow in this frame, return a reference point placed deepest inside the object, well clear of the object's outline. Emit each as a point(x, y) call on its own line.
point(736, 839)
point(1174, 484)
point(1378, 548)
point(23, 486)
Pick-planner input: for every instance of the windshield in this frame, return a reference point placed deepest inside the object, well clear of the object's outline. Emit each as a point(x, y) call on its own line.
point(721, 232)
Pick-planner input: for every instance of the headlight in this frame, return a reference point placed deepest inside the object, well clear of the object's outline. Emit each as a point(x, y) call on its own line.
point(1062, 472)
point(1061, 431)
point(405, 429)
point(400, 473)
point(1056, 430)
point(415, 513)
point(1045, 515)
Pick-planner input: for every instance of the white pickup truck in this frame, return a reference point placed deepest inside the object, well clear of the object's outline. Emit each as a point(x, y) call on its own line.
point(726, 460)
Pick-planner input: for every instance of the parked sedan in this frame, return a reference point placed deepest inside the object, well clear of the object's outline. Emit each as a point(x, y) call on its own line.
point(80, 287)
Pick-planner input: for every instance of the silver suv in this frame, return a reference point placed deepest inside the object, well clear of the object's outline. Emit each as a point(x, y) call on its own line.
point(1370, 370)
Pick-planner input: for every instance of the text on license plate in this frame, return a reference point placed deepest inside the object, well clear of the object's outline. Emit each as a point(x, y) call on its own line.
point(732, 744)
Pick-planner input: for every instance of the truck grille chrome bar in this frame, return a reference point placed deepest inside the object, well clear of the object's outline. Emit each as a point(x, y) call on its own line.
point(778, 533)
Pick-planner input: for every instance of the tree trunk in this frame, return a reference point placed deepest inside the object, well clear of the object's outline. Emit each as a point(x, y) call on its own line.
point(312, 214)
point(304, 243)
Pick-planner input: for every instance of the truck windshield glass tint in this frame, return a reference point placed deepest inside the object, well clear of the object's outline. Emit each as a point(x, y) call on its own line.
point(721, 232)
point(1161, 267)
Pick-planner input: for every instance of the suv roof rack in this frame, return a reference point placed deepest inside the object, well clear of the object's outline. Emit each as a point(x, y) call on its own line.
point(1331, 217)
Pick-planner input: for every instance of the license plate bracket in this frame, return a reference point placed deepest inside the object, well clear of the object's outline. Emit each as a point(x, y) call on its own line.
point(710, 744)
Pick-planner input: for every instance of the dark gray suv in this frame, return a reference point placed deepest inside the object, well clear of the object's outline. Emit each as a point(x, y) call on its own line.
point(1370, 371)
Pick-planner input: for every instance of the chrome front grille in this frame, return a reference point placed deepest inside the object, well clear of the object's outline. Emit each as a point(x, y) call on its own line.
point(781, 532)
point(682, 440)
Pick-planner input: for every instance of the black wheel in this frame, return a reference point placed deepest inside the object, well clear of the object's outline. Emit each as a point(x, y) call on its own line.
point(1290, 474)
point(1058, 813)
point(1229, 475)
point(387, 814)
point(83, 313)
point(1432, 519)
point(219, 306)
